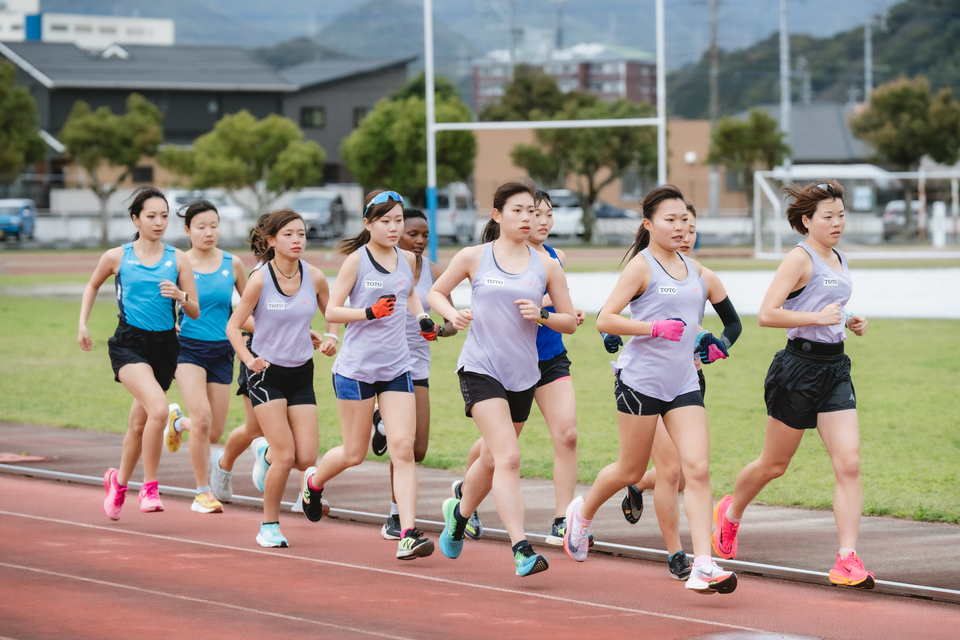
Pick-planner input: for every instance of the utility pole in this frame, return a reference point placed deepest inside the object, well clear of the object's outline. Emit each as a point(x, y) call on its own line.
point(714, 104)
point(868, 52)
point(785, 80)
point(559, 4)
point(514, 36)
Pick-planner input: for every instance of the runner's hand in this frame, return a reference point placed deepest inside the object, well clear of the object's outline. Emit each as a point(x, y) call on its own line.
point(612, 342)
point(830, 315)
point(256, 365)
point(709, 349)
point(83, 339)
point(428, 329)
point(671, 329)
point(170, 290)
point(382, 307)
point(528, 309)
point(463, 319)
point(857, 324)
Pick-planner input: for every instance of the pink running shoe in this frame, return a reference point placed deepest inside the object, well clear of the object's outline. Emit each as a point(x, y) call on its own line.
point(849, 572)
point(150, 497)
point(113, 503)
point(725, 536)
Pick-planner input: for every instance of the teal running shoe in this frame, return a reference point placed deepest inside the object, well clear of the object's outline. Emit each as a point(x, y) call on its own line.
point(260, 466)
point(450, 543)
point(529, 561)
point(270, 536)
point(474, 528)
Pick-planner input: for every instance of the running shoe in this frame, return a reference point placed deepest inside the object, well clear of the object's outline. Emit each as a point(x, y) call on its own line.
point(312, 498)
point(298, 505)
point(171, 437)
point(849, 572)
point(529, 561)
point(725, 535)
point(576, 541)
point(206, 503)
point(679, 566)
point(709, 578)
point(632, 504)
point(474, 529)
point(379, 441)
point(270, 536)
point(113, 503)
point(149, 497)
point(413, 545)
point(391, 528)
point(221, 482)
point(451, 544)
point(260, 466)
point(557, 531)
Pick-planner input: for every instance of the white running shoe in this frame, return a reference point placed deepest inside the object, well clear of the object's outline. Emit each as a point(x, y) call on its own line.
point(576, 541)
point(260, 466)
point(709, 578)
point(221, 482)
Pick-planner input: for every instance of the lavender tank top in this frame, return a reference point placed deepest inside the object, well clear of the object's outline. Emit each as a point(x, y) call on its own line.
point(826, 286)
point(500, 343)
point(282, 322)
point(420, 348)
point(376, 350)
point(657, 367)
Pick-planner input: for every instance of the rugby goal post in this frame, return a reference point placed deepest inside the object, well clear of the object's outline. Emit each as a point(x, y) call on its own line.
point(660, 121)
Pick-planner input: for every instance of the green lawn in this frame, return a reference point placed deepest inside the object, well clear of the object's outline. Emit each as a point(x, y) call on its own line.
point(907, 374)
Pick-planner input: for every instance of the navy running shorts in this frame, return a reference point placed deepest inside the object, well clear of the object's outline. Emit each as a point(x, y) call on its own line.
point(214, 357)
point(349, 389)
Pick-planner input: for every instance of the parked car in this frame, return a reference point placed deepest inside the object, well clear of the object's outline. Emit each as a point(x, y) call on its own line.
point(894, 219)
point(456, 213)
point(18, 217)
point(603, 209)
point(227, 209)
point(322, 211)
point(567, 213)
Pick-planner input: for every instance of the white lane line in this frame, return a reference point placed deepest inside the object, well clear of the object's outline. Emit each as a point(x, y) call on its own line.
point(346, 565)
point(192, 599)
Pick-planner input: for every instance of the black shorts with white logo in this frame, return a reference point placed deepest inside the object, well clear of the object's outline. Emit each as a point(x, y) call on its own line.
point(293, 384)
point(477, 387)
point(634, 403)
point(806, 379)
point(132, 345)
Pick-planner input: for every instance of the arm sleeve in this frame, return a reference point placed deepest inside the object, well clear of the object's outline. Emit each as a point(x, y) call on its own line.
point(731, 321)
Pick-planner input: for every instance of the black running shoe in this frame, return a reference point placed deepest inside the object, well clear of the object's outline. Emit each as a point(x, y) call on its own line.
point(632, 505)
point(391, 528)
point(379, 441)
point(414, 545)
point(679, 565)
point(311, 498)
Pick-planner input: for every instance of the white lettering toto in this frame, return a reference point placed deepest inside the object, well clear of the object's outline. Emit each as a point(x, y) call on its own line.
point(279, 306)
point(670, 291)
point(830, 282)
point(493, 282)
point(373, 284)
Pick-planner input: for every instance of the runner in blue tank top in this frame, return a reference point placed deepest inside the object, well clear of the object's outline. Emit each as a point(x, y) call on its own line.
point(655, 377)
point(205, 364)
point(374, 361)
point(808, 385)
point(415, 237)
point(151, 279)
point(498, 365)
point(283, 296)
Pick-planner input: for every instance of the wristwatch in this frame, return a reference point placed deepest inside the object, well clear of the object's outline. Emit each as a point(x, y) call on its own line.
point(544, 314)
point(440, 331)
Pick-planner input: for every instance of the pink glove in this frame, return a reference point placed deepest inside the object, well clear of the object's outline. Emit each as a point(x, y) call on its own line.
point(714, 354)
point(671, 329)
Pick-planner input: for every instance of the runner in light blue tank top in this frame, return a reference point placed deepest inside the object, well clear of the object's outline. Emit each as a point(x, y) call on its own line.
point(498, 365)
point(655, 377)
point(150, 278)
point(374, 363)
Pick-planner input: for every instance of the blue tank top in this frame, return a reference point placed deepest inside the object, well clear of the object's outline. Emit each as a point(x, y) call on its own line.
point(549, 342)
point(826, 286)
point(282, 322)
point(215, 291)
point(138, 290)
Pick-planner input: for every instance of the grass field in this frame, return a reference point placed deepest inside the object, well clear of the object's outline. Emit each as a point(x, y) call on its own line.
point(907, 375)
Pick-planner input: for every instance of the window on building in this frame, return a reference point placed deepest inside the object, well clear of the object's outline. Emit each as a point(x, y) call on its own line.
point(107, 29)
point(734, 183)
point(213, 106)
point(142, 174)
point(461, 203)
point(83, 28)
point(359, 113)
point(59, 27)
point(313, 117)
point(134, 31)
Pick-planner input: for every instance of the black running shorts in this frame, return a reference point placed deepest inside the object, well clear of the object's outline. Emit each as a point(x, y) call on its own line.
point(159, 349)
point(244, 374)
point(634, 403)
point(801, 385)
point(476, 387)
point(554, 369)
point(703, 383)
point(293, 384)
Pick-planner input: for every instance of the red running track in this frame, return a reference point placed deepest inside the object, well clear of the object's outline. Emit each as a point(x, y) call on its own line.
point(68, 572)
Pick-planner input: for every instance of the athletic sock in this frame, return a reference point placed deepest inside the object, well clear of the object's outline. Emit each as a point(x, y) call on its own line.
point(559, 520)
point(844, 551)
point(403, 534)
point(310, 483)
point(202, 489)
point(266, 523)
point(519, 545)
point(460, 523)
point(176, 425)
point(394, 509)
point(731, 519)
point(578, 514)
point(382, 429)
point(699, 560)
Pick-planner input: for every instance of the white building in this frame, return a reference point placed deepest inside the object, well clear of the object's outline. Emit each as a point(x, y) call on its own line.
point(21, 20)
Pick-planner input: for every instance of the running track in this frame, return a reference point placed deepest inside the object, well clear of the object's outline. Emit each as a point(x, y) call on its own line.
point(68, 572)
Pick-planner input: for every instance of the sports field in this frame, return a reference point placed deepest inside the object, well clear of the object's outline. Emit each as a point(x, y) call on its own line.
point(906, 373)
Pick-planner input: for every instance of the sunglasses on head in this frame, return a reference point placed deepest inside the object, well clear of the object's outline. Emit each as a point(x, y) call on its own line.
point(381, 198)
point(826, 186)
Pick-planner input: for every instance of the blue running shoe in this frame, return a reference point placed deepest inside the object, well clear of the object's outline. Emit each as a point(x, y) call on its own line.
point(260, 466)
point(450, 545)
point(529, 561)
point(270, 536)
point(474, 528)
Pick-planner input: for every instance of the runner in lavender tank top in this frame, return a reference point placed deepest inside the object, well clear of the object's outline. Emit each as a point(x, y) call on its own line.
point(826, 286)
point(374, 364)
point(498, 365)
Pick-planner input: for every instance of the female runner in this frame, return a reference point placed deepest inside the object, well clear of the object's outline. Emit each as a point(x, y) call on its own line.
point(415, 237)
point(375, 362)
point(498, 365)
point(205, 365)
point(144, 349)
point(655, 377)
point(665, 478)
point(283, 297)
point(808, 385)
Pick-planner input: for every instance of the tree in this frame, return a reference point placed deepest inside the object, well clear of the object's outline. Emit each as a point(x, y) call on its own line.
point(905, 122)
point(389, 148)
point(596, 157)
point(530, 95)
point(97, 138)
point(743, 146)
point(20, 144)
point(269, 156)
point(416, 87)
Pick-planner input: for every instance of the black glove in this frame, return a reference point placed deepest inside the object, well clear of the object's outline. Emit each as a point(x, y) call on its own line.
point(612, 342)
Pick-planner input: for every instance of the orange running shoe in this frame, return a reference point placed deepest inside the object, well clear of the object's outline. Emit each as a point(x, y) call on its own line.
point(849, 572)
point(725, 536)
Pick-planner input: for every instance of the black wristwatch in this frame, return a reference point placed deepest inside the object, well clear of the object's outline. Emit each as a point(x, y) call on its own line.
point(544, 314)
point(440, 331)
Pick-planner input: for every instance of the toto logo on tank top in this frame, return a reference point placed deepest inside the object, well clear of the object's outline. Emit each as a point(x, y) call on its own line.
point(667, 291)
point(831, 282)
point(275, 306)
point(373, 284)
point(493, 282)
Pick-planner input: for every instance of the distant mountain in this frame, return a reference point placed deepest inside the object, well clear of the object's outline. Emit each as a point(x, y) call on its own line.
point(923, 38)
